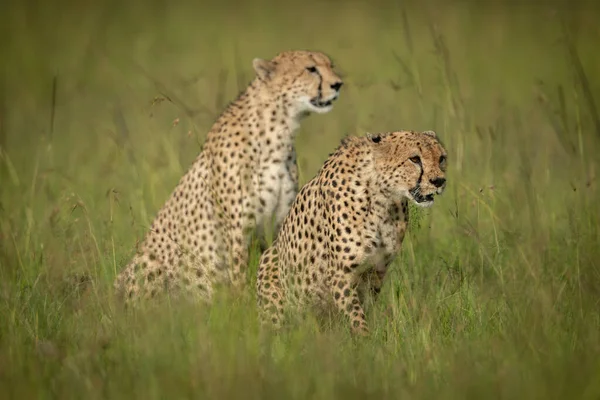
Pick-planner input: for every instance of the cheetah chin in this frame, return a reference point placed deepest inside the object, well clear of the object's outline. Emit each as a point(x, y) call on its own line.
point(420, 199)
point(320, 105)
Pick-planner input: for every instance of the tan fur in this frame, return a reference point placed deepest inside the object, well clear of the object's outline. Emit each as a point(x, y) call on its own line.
point(347, 224)
point(245, 173)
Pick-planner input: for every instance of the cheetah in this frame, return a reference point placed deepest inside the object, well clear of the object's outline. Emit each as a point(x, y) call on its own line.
point(245, 175)
point(347, 224)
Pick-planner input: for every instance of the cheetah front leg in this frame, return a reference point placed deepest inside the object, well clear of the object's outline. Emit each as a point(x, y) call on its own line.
point(238, 236)
point(371, 283)
point(268, 290)
point(238, 258)
point(238, 232)
point(346, 298)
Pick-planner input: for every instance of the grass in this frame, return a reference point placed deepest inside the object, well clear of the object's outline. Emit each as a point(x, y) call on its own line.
point(104, 105)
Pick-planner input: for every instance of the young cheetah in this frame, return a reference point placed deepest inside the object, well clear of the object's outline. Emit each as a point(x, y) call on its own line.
point(245, 174)
point(347, 224)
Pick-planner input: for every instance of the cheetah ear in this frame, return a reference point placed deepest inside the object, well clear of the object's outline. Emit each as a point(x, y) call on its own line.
point(375, 138)
point(263, 68)
point(430, 133)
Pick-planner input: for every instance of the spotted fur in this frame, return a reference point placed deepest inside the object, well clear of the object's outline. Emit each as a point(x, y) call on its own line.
point(245, 174)
point(347, 224)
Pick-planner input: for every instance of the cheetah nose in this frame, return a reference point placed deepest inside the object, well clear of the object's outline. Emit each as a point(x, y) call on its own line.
point(336, 86)
point(438, 182)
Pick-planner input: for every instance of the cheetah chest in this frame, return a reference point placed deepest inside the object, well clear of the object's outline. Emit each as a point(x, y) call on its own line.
point(386, 241)
point(275, 188)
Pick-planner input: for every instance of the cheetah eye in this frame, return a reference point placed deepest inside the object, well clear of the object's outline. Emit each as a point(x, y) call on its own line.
point(416, 160)
point(376, 139)
point(442, 160)
point(312, 69)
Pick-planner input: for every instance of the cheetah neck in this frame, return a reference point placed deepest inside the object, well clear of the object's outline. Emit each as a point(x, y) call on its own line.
point(276, 114)
point(368, 186)
point(379, 202)
point(378, 196)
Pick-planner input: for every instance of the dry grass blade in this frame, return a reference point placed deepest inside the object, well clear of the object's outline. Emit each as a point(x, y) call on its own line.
point(582, 78)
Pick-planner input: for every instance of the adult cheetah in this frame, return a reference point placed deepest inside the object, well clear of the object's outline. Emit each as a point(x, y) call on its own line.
point(347, 224)
point(245, 174)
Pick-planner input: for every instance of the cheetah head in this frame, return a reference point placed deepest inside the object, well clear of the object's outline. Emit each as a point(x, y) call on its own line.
point(410, 164)
point(306, 79)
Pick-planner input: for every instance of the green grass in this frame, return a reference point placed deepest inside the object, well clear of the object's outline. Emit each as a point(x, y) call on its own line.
point(104, 105)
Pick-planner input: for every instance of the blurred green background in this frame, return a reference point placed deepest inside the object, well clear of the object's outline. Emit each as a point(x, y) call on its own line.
point(105, 104)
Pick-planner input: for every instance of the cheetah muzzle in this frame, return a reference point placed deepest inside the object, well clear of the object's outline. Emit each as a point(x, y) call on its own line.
point(321, 103)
